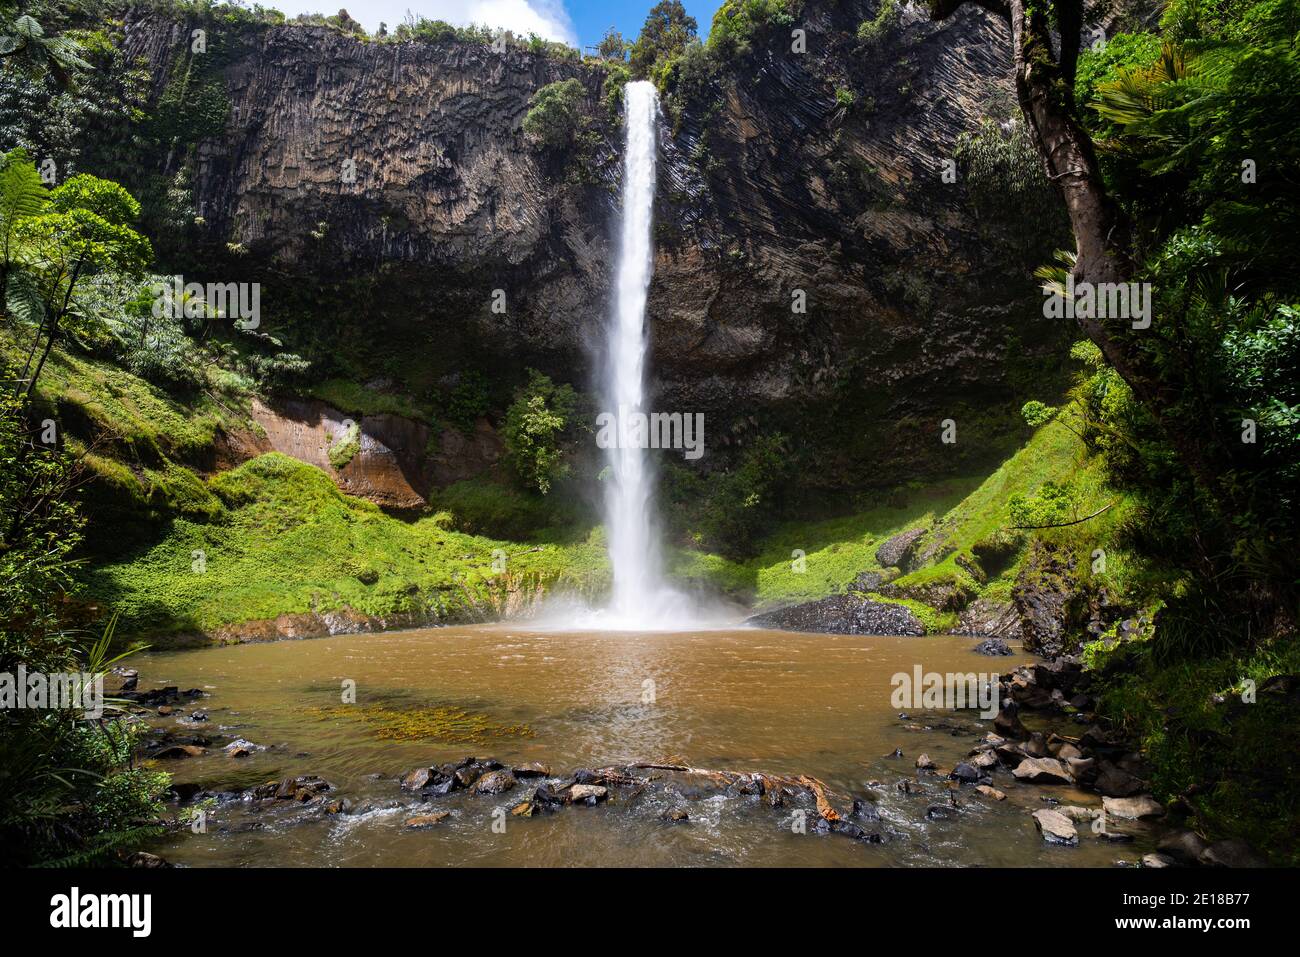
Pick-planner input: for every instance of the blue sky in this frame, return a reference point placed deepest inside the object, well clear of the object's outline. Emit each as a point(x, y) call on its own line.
point(577, 22)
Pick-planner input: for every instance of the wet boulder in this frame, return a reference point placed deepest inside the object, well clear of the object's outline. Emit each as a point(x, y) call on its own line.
point(588, 794)
point(843, 615)
point(1045, 597)
point(1114, 781)
point(422, 821)
point(533, 769)
point(178, 751)
point(416, 779)
point(1132, 808)
point(965, 773)
point(495, 782)
point(1042, 771)
point(1055, 827)
point(1007, 723)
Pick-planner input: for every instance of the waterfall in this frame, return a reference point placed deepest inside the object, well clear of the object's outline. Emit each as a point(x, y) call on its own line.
point(640, 598)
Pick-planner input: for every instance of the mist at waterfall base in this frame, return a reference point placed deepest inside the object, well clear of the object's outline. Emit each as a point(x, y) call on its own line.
point(640, 598)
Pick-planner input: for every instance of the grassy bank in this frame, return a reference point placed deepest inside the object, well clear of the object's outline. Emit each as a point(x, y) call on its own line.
point(282, 538)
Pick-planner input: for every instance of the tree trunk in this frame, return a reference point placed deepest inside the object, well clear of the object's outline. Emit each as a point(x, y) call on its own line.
point(1103, 239)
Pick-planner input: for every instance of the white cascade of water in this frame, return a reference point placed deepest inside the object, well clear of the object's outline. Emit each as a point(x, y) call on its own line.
point(640, 597)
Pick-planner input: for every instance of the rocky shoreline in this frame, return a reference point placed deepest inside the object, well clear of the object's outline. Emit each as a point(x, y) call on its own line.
point(1065, 749)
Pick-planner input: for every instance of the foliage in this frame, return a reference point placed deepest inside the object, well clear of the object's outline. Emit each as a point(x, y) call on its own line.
point(878, 27)
point(1007, 187)
point(555, 114)
point(1050, 504)
point(345, 446)
point(727, 512)
point(664, 36)
point(468, 401)
point(1230, 761)
point(612, 45)
point(738, 24)
point(1036, 414)
point(67, 791)
point(535, 425)
point(288, 541)
point(39, 532)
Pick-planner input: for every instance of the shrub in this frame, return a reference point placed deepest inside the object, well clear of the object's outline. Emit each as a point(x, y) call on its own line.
point(535, 426)
point(738, 23)
point(470, 399)
point(876, 29)
point(555, 116)
point(664, 37)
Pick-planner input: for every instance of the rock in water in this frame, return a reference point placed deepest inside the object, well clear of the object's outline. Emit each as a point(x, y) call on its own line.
point(416, 779)
point(1043, 771)
point(495, 782)
point(426, 820)
point(1132, 808)
point(1043, 597)
point(843, 615)
point(1055, 827)
point(588, 794)
point(1007, 722)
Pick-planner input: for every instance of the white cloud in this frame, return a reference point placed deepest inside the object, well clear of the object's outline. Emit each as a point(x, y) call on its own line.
point(546, 18)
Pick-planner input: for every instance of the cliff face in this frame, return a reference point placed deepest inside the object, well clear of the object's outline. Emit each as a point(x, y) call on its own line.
point(768, 185)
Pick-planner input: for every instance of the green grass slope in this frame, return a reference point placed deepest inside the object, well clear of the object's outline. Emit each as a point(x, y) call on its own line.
point(286, 540)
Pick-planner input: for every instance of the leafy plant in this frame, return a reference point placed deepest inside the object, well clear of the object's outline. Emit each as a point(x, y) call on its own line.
point(535, 425)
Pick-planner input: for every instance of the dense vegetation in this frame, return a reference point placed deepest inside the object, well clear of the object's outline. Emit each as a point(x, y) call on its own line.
point(1184, 480)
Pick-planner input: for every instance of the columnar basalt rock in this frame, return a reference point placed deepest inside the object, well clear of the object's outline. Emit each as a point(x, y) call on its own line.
point(769, 186)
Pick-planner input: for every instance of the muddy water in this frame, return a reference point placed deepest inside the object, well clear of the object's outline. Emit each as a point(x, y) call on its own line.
point(744, 700)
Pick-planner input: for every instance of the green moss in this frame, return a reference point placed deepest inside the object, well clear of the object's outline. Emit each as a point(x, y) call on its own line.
point(345, 446)
point(288, 541)
point(802, 561)
point(357, 399)
point(100, 401)
point(177, 489)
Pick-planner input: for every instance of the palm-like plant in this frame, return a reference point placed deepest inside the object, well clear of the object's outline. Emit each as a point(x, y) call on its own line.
point(22, 195)
point(24, 41)
point(1056, 275)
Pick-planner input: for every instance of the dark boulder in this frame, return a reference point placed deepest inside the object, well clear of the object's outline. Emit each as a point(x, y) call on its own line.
point(986, 617)
point(1046, 595)
point(495, 782)
point(843, 615)
point(1185, 847)
point(897, 550)
point(1007, 722)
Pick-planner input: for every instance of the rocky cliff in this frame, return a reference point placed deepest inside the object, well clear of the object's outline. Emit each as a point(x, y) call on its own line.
point(771, 181)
